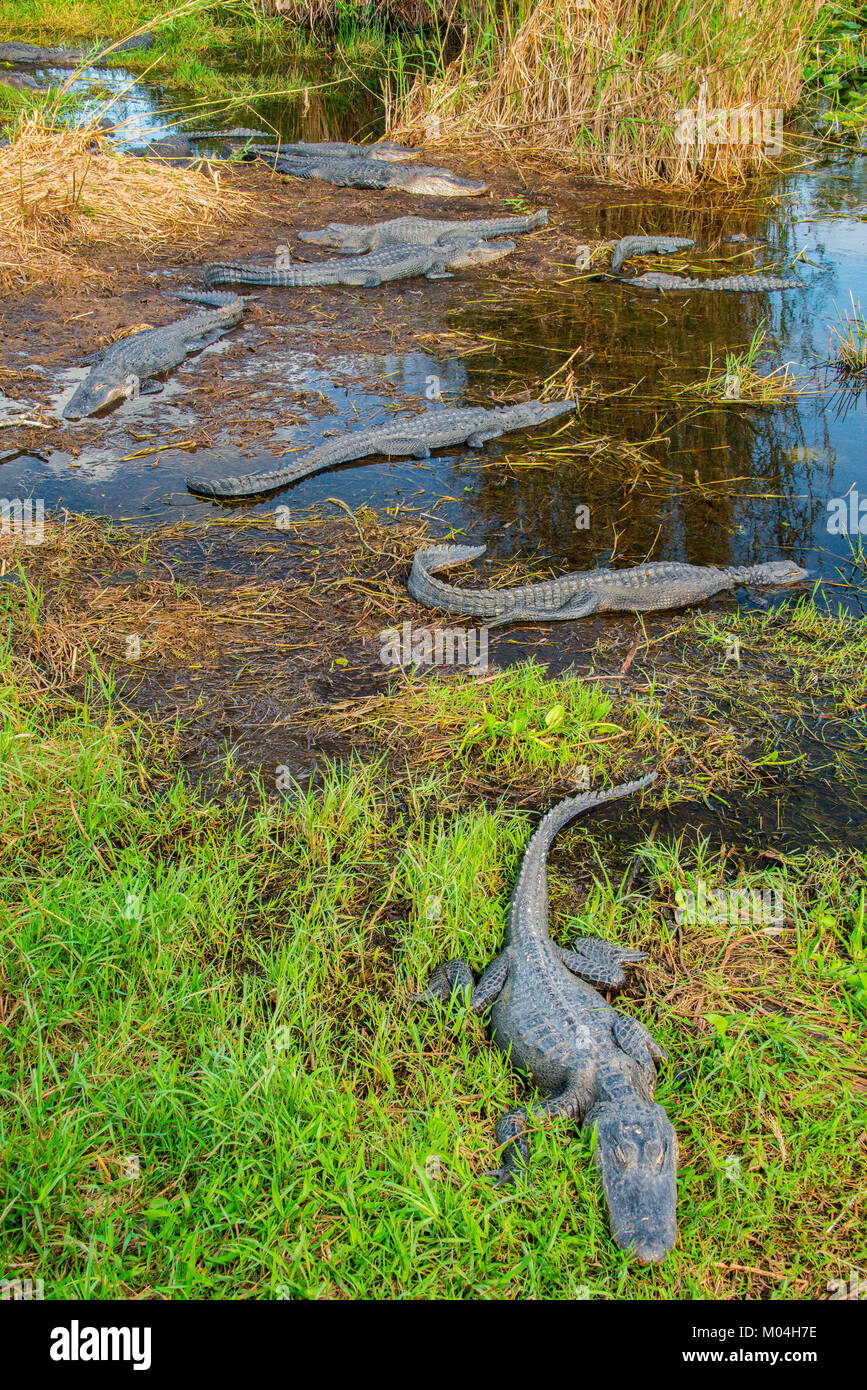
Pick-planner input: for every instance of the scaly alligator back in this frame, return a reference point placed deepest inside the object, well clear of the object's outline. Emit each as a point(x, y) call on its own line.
point(646, 246)
point(416, 436)
point(643, 588)
point(418, 231)
point(736, 284)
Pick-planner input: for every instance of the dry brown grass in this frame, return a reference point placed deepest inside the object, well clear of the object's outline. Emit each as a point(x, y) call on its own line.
point(598, 84)
point(65, 195)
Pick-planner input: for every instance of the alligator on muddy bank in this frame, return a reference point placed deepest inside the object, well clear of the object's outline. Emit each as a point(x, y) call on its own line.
point(374, 268)
point(414, 438)
point(374, 173)
point(642, 589)
point(593, 1064)
point(418, 231)
point(119, 370)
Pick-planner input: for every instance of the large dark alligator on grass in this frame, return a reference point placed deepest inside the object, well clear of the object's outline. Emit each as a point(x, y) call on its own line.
point(29, 55)
point(646, 246)
point(119, 370)
point(736, 284)
point(592, 1063)
point(374, 173)
point(374, 268)
point(418, 231)
point(414, 437)
point(641, 589)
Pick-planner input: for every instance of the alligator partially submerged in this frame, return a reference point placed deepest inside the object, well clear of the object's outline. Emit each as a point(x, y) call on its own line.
point(593, 1064)
point(415, 438)
point(374, 173)
point(647, 246)
point(641, 589)
point(374, 268)
point(119, 370)
point(418, 231)
point(30, 55)
point(735, 284)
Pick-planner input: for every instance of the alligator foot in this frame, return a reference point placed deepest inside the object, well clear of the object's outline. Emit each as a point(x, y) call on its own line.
point(512, 1139)
point(454, 978)
point(634, 1039)
point(600, 962)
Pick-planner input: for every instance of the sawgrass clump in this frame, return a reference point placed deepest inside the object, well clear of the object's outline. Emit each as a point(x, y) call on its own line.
point(65, 194)
point(600, 84)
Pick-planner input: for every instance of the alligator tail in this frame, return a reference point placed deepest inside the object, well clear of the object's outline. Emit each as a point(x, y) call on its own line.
point(215, 299)
point(573, 806)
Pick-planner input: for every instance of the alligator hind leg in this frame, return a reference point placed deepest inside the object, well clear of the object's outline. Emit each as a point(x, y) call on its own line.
point(512, 1139)
point(454, 978)
point(600, 962)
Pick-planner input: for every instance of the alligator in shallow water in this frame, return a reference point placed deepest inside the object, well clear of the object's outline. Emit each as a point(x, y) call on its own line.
point(414, 437)
point(119, 370)
point(418, 231)
point(29, 55)
point(736, 284)
point(646, 246)
point(374, 268)
point(641, 589)
point(374, 173)
point(593, 1064)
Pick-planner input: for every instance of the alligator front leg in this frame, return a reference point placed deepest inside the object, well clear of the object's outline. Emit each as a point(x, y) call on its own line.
point(600, 962)
point(634, 1039)
point(512, 1138)
point(455, 978)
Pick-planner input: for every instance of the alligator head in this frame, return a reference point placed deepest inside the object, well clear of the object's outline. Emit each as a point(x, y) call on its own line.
point(99, 392)
point(461, 254)
point(779, 572)
point(636, 1152)
point(532, 413)
point(440, 183)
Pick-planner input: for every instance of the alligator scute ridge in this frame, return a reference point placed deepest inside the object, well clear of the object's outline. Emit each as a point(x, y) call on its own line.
point(352, 239)
point(119, 370)
point(642, 588)
point(593, 1064)
point(414, 437)
point(368, 270)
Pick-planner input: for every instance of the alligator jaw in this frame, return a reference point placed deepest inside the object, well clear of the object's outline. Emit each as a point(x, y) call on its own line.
point(95, 397)
point(636, 1153)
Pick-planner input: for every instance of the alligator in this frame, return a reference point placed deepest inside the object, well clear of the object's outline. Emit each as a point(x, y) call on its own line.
point(414, 437)
point(641, 589)
point(119, 370)
point(738, 284)
point(373, 268)
point(417, 231)
point(646, 246)
point(29, 55)
point(374, 173)
point(592, 1064)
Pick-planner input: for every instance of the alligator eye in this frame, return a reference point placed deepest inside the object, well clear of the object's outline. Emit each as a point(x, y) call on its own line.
point(661, 1159)
point(620, 1154)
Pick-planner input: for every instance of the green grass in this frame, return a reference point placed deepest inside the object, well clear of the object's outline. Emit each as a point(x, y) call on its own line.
point(849, 338)
point(220, 993)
